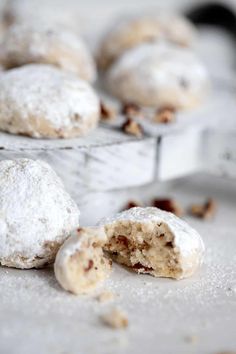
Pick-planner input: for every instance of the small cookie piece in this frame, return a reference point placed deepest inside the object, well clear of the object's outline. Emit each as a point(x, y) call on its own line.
point(36, 213)
point(80, 264)
point(115, 319)
point(153, 241)
point(105, 296)
point(42, 101)
point(131, 32)
point(40, 44)
point(159, 75)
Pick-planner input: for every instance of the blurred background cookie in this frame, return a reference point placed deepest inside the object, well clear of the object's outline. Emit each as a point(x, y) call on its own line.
point(128, 33)
point(159, 75)
point(36, 43)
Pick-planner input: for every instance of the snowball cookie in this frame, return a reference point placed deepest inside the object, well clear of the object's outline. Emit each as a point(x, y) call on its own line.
point(153, 241)
point(159, 75)
point(80, 264)
point(131, 32)
point(52, 12)
point(36, 213)
point(43, 101)
point(27, 43)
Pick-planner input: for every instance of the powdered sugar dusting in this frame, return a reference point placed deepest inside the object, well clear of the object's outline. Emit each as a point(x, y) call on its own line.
point(161, 312)
point(35, 211)
point(151, 71)
point(45, 93)
point(186, 239)
point(37, 43)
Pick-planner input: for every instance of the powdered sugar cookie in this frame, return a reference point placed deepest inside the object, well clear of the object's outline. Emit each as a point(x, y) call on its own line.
point(153, 241)
point(43, 101)
point(159, 75)
point(36, 213)
point(26, 44)
point(50, 12)
point(80, 264)
point(131, 32)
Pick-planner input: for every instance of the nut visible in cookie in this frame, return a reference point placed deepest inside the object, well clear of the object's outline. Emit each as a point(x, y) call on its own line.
point(80, 264)
point(153, 241)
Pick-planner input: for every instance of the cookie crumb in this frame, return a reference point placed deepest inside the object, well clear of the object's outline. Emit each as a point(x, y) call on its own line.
point(168, 205)
point(165, 115)
point(131, 110)
point(107, 112)
point(131, 204)
point(204, 211)
point(133, 128)
point(115, 319)
point(105, 296)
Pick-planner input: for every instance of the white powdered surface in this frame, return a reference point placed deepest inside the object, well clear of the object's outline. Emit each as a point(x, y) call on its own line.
point(31, 43)
point(158, 68)
point(44, 92)
point(37, 316)
point(35, 210)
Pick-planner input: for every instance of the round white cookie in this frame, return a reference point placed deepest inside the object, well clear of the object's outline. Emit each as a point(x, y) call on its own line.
point(36, 213)
point(159, 75)
point(51, 12)
point(153, 241)
point(80, 264)
point(42, 101)
point(131, 32)
point(34, 43)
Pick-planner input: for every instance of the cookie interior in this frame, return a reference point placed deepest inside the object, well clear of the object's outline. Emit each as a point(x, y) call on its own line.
point(88, 267)
point(146, 248)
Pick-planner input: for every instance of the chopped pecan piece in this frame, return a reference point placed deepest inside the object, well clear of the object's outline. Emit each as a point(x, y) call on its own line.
point(90, 265)
point(131, 204)
point(131, 110)
point(107, 112)
point(204, 211)
point(139, 266)
point(165, 115)
point(133, 128)
point(123, 240)
point(168, 205)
